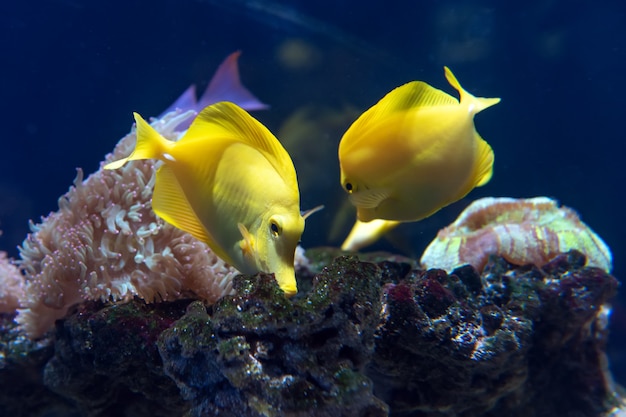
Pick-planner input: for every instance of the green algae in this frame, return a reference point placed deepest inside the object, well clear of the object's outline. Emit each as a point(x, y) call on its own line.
point(364, 333)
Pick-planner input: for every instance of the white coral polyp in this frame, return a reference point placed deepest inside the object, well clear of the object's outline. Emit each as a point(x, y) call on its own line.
point(106, 243)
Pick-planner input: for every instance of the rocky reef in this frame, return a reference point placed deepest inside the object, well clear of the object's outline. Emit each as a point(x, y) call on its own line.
point(368, 336)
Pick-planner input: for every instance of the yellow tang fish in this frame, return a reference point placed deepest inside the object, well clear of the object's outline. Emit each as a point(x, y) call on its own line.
point(414, 152)
point(229, 182)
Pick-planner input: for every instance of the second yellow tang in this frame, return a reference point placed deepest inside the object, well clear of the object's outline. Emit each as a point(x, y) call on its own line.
point(414, 152)
point(229, 182)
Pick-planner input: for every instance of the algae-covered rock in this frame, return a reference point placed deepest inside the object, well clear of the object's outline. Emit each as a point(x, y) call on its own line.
point(514, 341)
point(372, 336)
point(106, 360)
point(22, 392)
point(262, 354)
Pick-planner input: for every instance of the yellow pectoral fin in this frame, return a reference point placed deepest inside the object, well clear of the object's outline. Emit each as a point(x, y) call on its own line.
point(484, 162)
point(247, 244)
point(369, 199)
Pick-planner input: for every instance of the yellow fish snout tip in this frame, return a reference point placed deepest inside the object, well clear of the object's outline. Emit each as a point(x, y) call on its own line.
point(287, 283)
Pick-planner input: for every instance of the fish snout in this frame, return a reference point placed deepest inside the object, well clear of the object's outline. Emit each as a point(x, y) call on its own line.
point(286, 278)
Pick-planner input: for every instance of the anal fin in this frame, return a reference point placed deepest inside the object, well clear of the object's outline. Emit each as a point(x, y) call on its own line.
point(483, 169)
point(170, 203)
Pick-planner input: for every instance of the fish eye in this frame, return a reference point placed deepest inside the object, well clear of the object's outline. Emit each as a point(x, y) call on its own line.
point(274, 228)
point(349, 187)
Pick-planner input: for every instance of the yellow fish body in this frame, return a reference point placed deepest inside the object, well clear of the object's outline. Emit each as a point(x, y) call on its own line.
point(414, 152)
point(229, 182)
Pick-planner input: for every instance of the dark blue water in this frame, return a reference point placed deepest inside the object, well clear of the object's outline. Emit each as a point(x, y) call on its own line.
point(73, 71)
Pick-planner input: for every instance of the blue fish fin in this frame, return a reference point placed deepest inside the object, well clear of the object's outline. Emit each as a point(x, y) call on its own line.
point(226, 86)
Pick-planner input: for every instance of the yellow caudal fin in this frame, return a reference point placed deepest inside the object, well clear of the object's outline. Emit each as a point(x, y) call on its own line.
point(484, 162)
point(150, 144)
point(478, 103)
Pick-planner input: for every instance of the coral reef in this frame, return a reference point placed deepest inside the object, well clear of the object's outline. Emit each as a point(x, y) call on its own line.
point(11, 288)
point(105, 242)
point(107, 363)
point(532, 230)
point(22, 391)
point(370, 337)
point(258, 354)
point(512, 341)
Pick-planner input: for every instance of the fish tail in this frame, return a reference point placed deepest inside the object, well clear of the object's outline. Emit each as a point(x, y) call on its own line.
point(478, 104)
point(481, 103)
point(150, 144)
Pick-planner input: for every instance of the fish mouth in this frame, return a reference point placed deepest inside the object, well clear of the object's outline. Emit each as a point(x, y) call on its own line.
point(286, 279)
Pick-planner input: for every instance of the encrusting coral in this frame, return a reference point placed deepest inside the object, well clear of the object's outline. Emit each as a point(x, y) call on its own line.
point(523, 231)
point(105, 243)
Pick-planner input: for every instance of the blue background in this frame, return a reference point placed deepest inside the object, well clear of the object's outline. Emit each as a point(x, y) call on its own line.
point(73, 71)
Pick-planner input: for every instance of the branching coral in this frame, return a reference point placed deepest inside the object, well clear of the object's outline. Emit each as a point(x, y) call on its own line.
point(105, 242)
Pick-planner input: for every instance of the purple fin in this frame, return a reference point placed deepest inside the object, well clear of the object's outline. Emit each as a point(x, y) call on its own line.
point(226, 86)
point(186, 101)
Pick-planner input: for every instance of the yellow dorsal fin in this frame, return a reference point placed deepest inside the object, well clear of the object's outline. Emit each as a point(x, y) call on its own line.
point(226, 120)
point(410, 96)
point(416, 94)
point(150, 144)
point(484, 162)
point(478, 103)
point(169, 203)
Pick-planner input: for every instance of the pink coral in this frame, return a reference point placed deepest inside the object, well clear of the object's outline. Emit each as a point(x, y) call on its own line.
point(11, 285)
point(105, 243)
point(523, 231)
